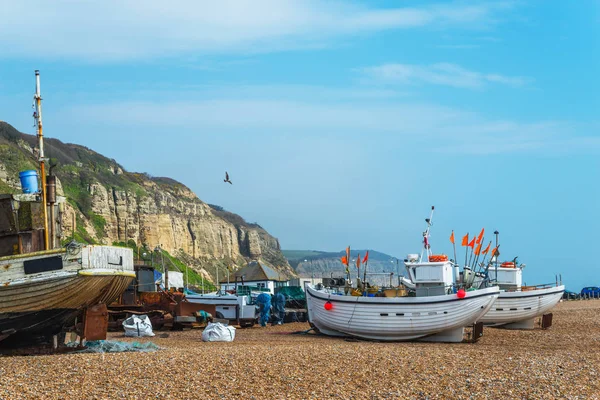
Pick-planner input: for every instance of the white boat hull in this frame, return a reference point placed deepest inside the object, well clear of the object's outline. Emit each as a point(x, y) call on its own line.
point(520, 308)
point(397, 319)
point(231, 307)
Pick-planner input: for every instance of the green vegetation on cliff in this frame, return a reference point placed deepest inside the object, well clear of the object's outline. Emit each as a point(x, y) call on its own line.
point(161, 258)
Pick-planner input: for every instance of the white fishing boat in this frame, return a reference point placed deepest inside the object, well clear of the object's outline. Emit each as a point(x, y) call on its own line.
point(240, 310)
point(518, 306)
point(438, 312)
point(432, 318)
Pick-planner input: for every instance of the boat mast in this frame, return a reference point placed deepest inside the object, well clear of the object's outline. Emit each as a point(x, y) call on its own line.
point(38, 122)
point(426, 246)
point(496, 233)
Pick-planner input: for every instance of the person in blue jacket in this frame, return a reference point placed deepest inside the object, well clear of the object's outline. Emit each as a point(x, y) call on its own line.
point(278, 309)
point(264, 307)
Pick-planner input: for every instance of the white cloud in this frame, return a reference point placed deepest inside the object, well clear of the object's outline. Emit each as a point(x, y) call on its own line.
point(263, 112)
point(445, 74)
point(127, 29)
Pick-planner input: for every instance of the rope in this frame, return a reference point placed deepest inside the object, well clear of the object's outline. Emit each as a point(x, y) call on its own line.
point(354, 309)
point(72, 248)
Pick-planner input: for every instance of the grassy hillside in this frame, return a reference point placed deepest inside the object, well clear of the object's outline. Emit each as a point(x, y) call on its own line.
point(300, 254)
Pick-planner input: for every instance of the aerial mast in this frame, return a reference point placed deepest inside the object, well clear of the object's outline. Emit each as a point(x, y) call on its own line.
point(37, 115)
point(426, 245)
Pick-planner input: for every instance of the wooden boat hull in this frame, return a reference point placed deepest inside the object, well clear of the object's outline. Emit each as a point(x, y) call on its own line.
point(42, 302)
point(397, 319)
point(516, 307)
point(47, 306)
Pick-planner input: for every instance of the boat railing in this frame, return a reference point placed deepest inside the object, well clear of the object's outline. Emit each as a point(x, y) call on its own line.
point(429, 291)
point(526, 288)
point(32, 254)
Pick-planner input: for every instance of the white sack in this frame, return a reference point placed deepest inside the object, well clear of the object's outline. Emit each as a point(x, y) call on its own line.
point(138, 325)
point(218, 332)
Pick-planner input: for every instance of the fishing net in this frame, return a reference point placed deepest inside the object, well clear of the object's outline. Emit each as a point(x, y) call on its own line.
point(294, 296)
point(113, 346)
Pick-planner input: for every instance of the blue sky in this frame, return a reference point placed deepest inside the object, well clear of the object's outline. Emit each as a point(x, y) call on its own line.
point(340, 122)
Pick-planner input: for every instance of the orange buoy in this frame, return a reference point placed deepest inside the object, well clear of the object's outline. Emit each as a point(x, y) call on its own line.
point(438, 258)
point(508, 264)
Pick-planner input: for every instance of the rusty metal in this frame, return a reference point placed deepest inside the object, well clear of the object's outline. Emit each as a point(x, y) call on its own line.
point(51, 187)
point(546, 321)
point(166, 309)
point(475, 333)
point(22, 226)
point(187, 309)
point(95, 323)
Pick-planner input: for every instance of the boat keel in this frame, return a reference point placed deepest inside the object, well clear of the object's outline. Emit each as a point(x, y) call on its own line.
point(527, 324)
point(450, 336)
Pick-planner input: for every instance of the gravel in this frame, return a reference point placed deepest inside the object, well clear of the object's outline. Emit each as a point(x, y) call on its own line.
point(562, 362)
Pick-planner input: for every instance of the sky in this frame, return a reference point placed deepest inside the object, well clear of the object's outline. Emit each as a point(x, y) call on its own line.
point(339, 122)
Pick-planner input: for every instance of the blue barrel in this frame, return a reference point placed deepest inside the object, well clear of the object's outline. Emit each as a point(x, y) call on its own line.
point(29, 181)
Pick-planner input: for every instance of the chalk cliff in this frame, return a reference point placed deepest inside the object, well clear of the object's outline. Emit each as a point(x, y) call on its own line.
point(107, 204)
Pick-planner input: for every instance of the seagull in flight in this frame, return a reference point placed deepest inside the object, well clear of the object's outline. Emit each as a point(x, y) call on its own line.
point(227, 178)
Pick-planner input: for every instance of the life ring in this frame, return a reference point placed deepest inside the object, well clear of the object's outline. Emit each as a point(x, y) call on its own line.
point(508, 264)
point(438, 258)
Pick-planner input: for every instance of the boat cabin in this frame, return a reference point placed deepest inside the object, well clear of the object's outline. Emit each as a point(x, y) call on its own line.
point(508, 278)
point(430, 278)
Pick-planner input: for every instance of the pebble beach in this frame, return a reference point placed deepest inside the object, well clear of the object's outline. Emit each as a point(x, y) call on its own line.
point(276, 363)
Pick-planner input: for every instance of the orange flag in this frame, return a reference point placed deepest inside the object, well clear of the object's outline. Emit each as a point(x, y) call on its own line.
point(478, 249)
point(452, 237)
point(366, 257)
point(480, 236)
point(347, 254)
point(344, 260)
point(465, 241)
point(472, 244)
point(358, 261)
point(494, 251)
point(487, 248)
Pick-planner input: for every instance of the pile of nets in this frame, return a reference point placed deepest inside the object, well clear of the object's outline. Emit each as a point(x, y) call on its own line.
point(114, 346)
point(294, 296)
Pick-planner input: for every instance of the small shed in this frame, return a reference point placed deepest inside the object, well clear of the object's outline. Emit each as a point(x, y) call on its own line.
point(256, 273)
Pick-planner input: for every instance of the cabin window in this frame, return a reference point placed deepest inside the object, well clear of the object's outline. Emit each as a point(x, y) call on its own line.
point(113, 262)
